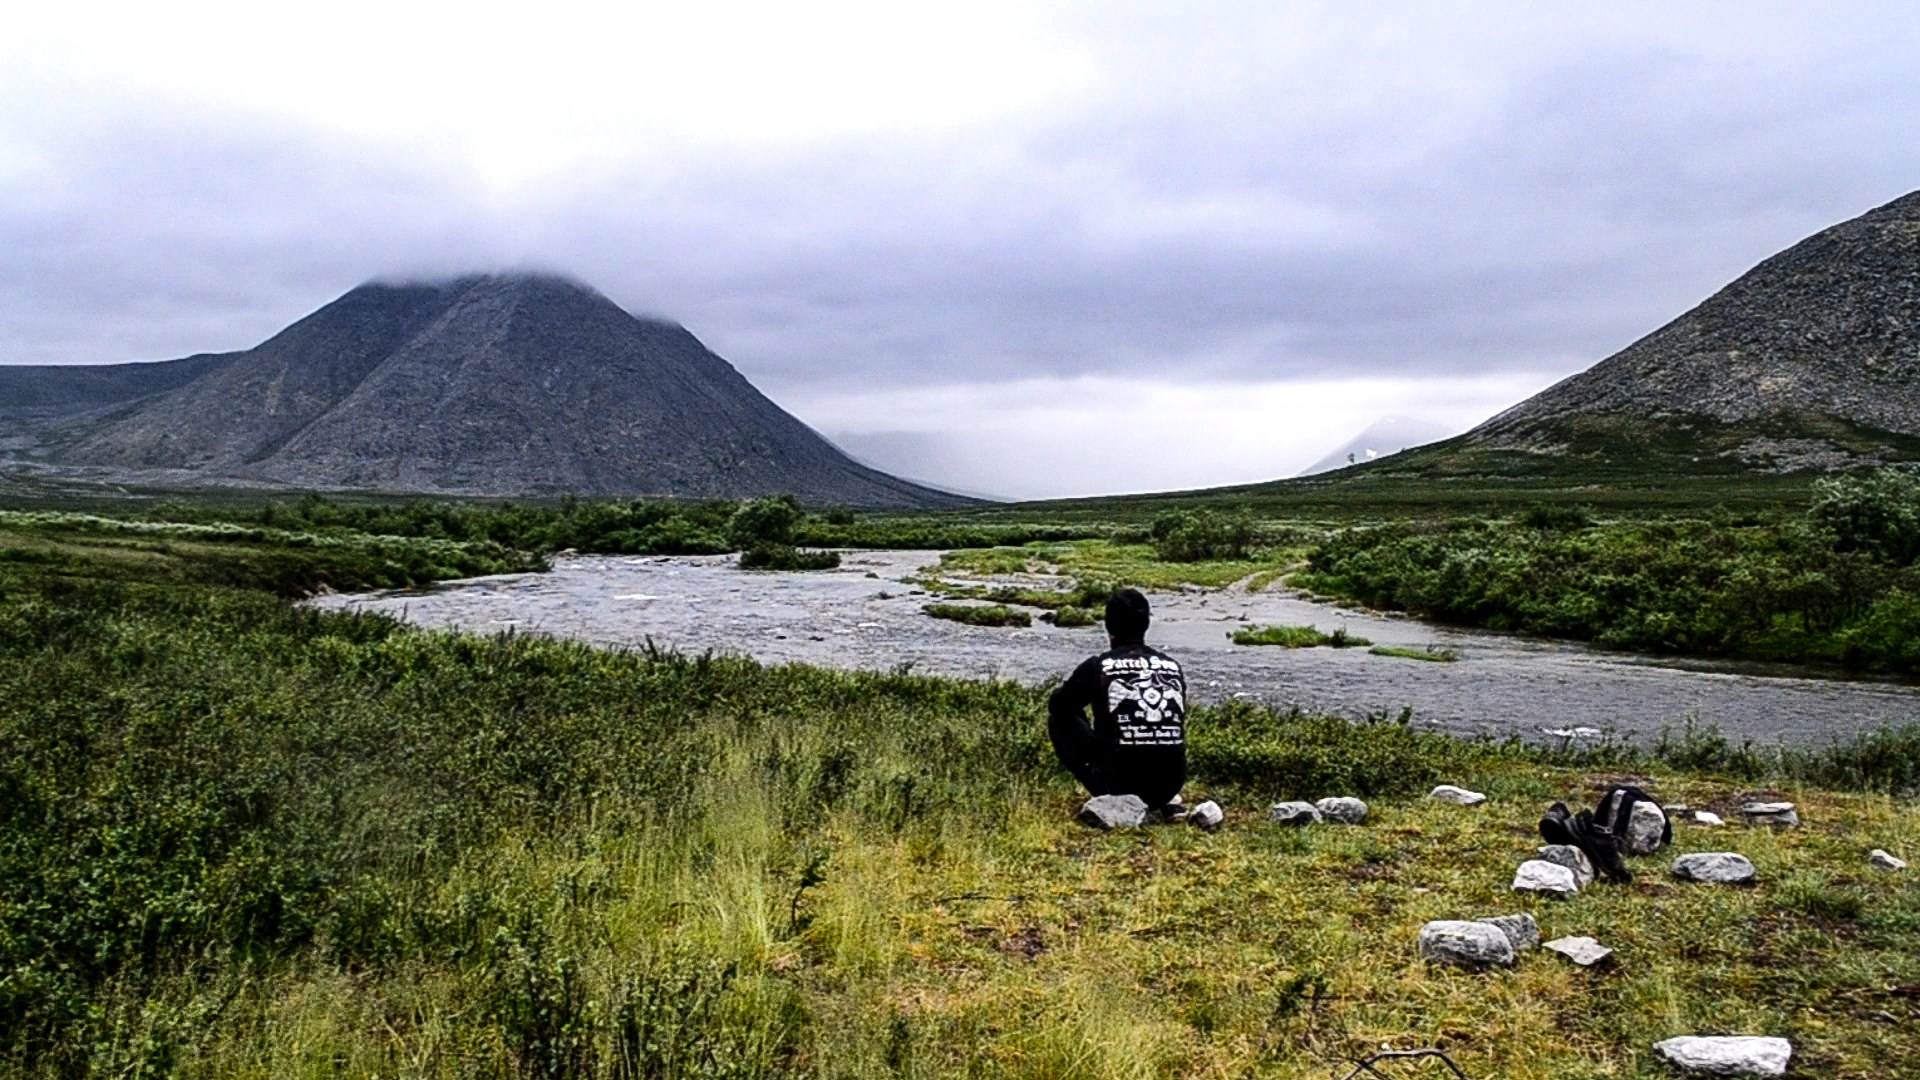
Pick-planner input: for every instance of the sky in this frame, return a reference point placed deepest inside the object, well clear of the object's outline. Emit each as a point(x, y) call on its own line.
point(1026, 250)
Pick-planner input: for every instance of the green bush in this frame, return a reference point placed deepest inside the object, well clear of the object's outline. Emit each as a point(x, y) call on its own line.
point(765, 556)
point(1296, 637)
point(1292, 755)
point(1197, 535)
point(764, 522)
point(1070, 616)
point(979, 615)
point(1877, 513)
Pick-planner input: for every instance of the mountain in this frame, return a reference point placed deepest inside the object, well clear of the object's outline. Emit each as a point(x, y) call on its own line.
point(489, 385)
point(1811, 360)
point(1387, 435)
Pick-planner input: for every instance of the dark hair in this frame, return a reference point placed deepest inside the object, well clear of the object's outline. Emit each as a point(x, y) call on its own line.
point(1127, 615)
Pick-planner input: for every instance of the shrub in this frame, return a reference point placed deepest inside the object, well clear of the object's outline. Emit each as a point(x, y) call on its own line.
point(1070, 616)
point(1292, 755)
point(1296, 637)
point(1877, 513)
point(1196, 535)
point(765, 556)
point(978, 615)
point(768, 520)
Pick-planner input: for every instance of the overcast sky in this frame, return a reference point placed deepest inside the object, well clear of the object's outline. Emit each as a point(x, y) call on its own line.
point(1020, 249)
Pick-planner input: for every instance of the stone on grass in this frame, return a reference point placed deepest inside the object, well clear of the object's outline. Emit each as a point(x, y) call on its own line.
point(1461, 944)
point(1646, 829)
point(1714, 868)
point(1207, 815)
point(1581, 950)
point(1452, 794)
point(1770, 813)
point(1570, 857)
point(1727, 1055)
point(1541, 876)
point(1295, 813)
point(1344, 809)
point(1522, 932)
point(1883, 861)
point(1707, 817)
point(1106, 812)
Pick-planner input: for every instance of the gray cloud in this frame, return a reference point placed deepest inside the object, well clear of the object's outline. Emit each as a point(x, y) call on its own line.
point(1240, 196)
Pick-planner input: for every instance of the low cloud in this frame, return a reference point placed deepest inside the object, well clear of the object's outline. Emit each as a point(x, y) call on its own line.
point(1095, 435)
point(1192, 201)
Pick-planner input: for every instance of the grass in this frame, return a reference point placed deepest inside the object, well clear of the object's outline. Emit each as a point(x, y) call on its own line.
point(979, 614)
point(1431, 652)
point(1297, 637)
point(240, 838)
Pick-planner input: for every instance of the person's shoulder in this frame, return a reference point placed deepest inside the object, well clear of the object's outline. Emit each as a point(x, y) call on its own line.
point(1159, 657)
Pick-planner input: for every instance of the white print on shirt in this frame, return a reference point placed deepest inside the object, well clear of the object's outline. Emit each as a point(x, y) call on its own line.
point(1147, 698)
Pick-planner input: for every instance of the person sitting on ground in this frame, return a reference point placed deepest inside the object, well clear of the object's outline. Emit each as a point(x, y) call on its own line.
point(1137, 743)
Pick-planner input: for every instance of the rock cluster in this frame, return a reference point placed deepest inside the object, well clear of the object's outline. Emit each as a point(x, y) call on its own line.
point(1570, 857)
point(1463, 944)
point(1522, 932)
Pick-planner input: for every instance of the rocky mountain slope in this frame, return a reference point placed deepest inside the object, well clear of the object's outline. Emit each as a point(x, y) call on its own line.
point(507, 385)
point(1809, 360)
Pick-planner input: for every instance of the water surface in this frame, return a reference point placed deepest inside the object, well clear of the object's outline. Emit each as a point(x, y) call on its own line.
point(866, 615)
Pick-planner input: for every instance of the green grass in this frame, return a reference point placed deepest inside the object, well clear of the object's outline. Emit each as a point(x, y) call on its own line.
point(979, 614)
point(244, 839)
point(1430, 652)
point(1297, 637)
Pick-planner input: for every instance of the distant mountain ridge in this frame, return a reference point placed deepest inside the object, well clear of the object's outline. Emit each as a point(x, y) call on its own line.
point(485, 385)
point(1811, 360)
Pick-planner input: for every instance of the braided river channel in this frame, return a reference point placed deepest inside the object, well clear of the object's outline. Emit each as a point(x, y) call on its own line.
point(867, 616)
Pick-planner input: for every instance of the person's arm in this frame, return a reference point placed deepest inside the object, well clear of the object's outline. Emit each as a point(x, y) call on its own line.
point(1067, 705)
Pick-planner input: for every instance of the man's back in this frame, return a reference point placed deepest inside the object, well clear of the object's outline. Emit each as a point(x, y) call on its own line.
point(1137, 744)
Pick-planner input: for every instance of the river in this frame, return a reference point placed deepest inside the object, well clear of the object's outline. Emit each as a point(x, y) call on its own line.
point(866, 615)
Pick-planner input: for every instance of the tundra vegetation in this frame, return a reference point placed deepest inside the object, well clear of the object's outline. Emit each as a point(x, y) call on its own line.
point(1837, 583)
point(240, 837)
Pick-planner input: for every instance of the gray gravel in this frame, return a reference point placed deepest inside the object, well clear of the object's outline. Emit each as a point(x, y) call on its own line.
point(864, 616)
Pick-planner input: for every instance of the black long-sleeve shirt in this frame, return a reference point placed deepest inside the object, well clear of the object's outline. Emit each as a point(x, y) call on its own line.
point(1137, 743)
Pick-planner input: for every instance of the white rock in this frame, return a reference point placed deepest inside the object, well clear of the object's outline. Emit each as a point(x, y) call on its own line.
point(1207, 815)
point(1449, 793)
point(1105, 812)
point(1538, 875)
point(1883, 861)
point(1570, 857)
point(1714, 868)
point(1581, 950)
point(1646, 827)
point(1344, 809)
point(1522, 932)
point(1295, 813)
point(1727, 1055)
point(1770, 813)
point(1707, 817)
point(1471, 945)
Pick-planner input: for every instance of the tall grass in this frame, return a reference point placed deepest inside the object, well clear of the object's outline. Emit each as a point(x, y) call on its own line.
point(241, 838)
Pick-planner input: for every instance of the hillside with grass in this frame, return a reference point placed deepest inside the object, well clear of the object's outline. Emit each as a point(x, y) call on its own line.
point(244, 838)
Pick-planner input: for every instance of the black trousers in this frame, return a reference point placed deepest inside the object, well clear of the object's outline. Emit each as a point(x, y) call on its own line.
point(1154, 773)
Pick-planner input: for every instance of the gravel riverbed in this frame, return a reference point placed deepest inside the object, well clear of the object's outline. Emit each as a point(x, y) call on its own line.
point(866, 615)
